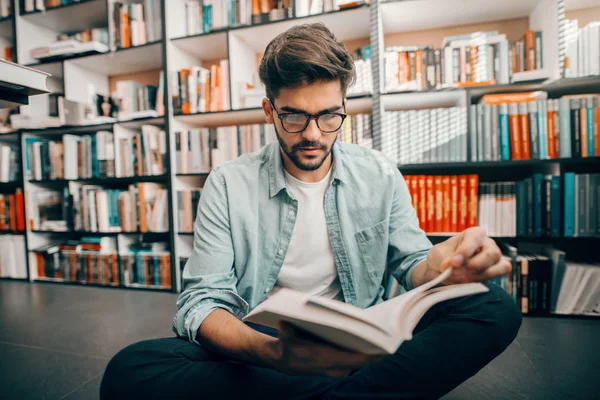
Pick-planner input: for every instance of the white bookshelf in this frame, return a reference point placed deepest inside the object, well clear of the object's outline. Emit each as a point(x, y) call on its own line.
point(381, 24)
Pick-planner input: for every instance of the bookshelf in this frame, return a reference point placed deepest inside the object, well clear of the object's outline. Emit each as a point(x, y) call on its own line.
point(380, 24)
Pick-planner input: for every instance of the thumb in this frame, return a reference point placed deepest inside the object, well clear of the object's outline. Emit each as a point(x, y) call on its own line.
point(455, 260)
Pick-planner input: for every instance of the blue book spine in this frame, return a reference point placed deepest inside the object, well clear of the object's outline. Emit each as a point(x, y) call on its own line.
point(206, 17)
point(156, 271)
point(542, 130)
point(590, 126)
point(564, 117)
point(116, 208)
point(538, 186)
point(504, 133)
point(521, 208)
point(555, 208)
point(111, 208)
point(140, 276)
point(232, 13)
point(569, 204)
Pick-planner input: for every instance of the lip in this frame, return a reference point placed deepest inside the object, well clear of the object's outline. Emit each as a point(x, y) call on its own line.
point(309, 150)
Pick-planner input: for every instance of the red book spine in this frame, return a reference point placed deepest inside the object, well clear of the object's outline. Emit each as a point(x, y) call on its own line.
point(463, 202)
point(454, 203)
point(551, 134)
point(414, 192)
point(439, 203)
point(473, 200)
point(422, 209)
point(514, 131)
point(525, 138)
point(447, 206)
point(430, 204)
point(20, 210)
point(13, 212)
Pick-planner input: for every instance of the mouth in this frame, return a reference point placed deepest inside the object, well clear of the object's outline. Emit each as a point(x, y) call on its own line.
point(310, 150)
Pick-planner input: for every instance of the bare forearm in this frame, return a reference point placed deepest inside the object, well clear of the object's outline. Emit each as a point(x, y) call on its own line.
point(222, 333)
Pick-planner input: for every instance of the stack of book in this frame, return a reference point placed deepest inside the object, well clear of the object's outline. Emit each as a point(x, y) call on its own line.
point(41, 5)
point(199, 89)
point(135, 23)
point(187, 207)
point(12, 217)
point(582, 56)
point(267, 11)
point(10, 162)
point(364, 79)
point(313, 7)
point(475, 59)
point(543, 281)
point(444, 204)
point(203, 16)
point(357, 129)
point(88, 260)
point(137, 100)
point(12, 257)
point(91, 208)
point(141, 154)
point(5, 8)
point(526, 126)
point(199, 150)
point(581, 200)
point(147, 265)
point(426, 136)
point(94, 40)
point(72, 157)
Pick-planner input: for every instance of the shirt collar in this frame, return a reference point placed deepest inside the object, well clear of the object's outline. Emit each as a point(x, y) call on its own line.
point(277, 177)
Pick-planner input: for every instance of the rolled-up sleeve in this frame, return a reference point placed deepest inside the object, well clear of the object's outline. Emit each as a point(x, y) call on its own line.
point(408, 244)
point(209, 280)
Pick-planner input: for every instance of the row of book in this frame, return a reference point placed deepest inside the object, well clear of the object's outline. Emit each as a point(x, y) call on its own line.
point(87, 261)
point(444, 204)
point(542, 281)
point(187, 207)
point(12, 215)
point(426, 136)
point(465, 60)
point(135, 23)
point(135, 98)
point(91, 208)
point(5, 8)
point(582, 47)
point(357, 129)
point(100, 155)
point(364, 78)
point(93, 40)
point(199, 150)
point(581, 200)
point(12, 257)
point(10, 158)
point(525, 126)
point(199, 89)
point(497, 209)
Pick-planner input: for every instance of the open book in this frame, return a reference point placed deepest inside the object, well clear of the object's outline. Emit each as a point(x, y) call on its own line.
point(380, 329)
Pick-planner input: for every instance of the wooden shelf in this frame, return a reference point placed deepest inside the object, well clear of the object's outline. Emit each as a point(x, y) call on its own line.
point(106, 181)
point(72, 17)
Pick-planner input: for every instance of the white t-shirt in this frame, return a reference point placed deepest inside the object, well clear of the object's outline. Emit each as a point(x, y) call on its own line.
point(309, 264)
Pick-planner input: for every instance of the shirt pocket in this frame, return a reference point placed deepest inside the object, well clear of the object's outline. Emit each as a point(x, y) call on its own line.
point(372, 245)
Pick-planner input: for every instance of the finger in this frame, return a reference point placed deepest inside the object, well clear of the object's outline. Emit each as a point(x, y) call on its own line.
point(501, 268)
point(489, 255)
point(471, 242)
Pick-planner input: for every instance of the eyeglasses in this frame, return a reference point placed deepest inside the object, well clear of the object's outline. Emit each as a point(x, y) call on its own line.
point(296, 122)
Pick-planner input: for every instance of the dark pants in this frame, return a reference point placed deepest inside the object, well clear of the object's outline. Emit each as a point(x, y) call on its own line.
point(453, 341)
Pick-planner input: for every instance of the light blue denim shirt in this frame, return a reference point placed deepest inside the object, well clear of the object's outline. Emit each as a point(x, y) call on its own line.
point(245, 221)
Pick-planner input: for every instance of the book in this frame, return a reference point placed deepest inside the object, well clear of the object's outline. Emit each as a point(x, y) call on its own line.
point(380, 329)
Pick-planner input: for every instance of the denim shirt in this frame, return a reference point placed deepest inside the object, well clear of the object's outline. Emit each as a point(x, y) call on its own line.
point(245, 221)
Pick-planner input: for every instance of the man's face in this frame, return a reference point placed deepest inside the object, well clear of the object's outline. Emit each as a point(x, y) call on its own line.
point(311, 147)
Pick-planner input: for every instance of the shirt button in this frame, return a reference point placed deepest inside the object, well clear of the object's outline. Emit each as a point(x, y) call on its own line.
point(291, 213)
point(280, 251)
point(267, 290)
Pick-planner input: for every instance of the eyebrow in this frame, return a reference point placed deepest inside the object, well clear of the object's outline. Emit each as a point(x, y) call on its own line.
point(297, 110)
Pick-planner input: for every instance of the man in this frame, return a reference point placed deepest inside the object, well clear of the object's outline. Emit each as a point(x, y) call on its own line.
point(325, 218)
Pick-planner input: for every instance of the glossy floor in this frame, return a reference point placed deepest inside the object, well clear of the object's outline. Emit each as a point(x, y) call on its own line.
point(55, 342)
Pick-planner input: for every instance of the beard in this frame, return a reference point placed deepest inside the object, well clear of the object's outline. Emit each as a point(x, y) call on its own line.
point(292, 152)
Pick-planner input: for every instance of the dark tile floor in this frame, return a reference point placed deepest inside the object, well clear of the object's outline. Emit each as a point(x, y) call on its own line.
point(55, 342)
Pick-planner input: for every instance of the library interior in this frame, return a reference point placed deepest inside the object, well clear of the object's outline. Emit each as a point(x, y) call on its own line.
point(138, 195)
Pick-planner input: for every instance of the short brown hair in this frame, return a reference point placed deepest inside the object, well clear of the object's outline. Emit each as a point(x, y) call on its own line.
point(302, 55)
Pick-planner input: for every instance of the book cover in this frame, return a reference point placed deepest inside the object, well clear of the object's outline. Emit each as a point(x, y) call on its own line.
point(505, 143)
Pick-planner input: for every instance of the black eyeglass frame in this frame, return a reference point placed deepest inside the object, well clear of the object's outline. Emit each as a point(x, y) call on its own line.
point(316, 117)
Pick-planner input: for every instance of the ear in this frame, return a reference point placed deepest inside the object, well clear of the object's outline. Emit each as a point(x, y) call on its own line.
point(268, 110)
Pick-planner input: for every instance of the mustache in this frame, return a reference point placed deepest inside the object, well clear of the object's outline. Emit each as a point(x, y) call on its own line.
point(308, 144)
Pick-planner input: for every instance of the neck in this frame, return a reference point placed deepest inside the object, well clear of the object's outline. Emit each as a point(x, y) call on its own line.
point(307, 176)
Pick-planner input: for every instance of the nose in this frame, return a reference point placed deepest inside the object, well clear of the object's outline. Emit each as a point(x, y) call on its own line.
point(312, 132)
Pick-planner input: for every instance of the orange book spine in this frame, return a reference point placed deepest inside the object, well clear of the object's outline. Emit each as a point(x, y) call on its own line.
point(147, 270)
point(583, 127)
point(41, 271)
point(473, 62)
point(20, 210)
point(126, 37)
point(473, 200)
point(514, 131)
point(138, 154)
point(463, 202)
point(439, 203)
point(530, 50)
point(115, 273)
point(447, 206)
point(422, 209)
point(403, 69)
point(419, 68)
point(184, 75)
point(430, 204)
point(13, 212)
point(514, 58)
point(454, 203)
point(2, 214)
point(552, 153)
point(414, 192)
point(525, 137)
point(167, 268)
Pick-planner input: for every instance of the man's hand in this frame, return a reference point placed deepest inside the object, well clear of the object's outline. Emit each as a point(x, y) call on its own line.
point(473, 256)
point(297, 355)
